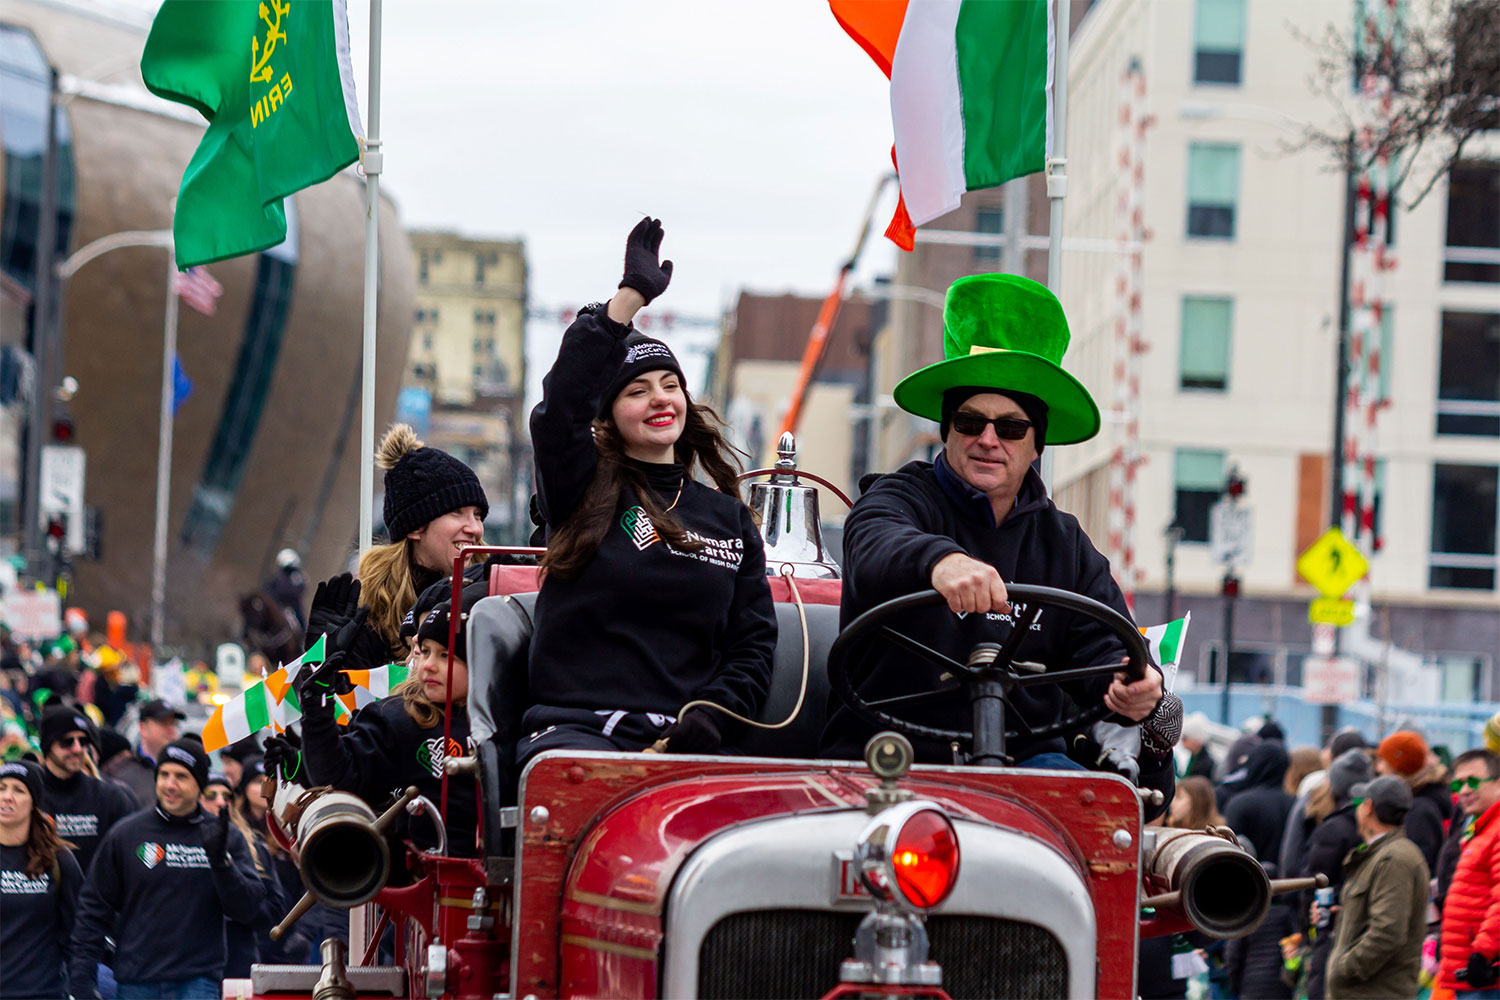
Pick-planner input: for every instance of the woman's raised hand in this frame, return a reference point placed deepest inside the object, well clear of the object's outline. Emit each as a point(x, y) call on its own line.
point(644, 270)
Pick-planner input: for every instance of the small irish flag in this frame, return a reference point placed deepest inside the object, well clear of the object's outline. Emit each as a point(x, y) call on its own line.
point(1165, 642)
point(372, 685)
point(249, 712)
point(971, 94)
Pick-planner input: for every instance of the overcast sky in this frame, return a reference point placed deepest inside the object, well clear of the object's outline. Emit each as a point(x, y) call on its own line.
point(755, 130)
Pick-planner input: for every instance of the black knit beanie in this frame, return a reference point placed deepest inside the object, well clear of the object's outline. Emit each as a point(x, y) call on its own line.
point(60, 720)
point(422, 483)
point(642, 354)
point(28, 774)
point(1036, 410)
point(189, 754)
point(435, 625)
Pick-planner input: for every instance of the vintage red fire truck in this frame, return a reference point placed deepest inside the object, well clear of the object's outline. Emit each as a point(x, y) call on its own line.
point(772, 874)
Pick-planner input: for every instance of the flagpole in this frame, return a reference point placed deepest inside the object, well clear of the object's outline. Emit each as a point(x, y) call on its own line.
point(164, 460)
point(371, 162)
point(1057, 164)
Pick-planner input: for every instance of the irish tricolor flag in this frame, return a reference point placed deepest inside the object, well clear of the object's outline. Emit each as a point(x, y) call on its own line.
point(1165, 643)
point(971, 94)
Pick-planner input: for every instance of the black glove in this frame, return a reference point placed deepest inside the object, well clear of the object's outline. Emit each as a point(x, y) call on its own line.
point(316, 686)
point(283, 757)
point(643, 270)
point(216, 841)
point(695, 732)
point(1480, 972)
point(334, 603)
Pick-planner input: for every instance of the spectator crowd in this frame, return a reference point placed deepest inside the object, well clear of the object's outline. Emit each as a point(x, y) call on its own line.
point(1406, 836)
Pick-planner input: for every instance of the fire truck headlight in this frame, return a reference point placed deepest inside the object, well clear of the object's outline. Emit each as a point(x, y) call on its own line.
point(908, 855)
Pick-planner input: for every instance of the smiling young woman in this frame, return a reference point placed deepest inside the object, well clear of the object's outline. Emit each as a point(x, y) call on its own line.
point(654, 591)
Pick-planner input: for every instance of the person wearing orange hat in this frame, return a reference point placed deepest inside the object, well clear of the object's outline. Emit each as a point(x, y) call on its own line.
point(1405, 755)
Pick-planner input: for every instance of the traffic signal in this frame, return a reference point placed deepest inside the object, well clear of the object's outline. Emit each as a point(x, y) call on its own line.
point(1234, 483)
point(1231, 585)
point(57, 534)
point(62, 428)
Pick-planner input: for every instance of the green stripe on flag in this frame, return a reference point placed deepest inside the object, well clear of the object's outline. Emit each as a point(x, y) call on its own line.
point(257, 707)
point(1002, 74)
point(1171, 641)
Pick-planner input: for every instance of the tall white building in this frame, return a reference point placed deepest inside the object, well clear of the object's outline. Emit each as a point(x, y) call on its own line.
point(1240, 307)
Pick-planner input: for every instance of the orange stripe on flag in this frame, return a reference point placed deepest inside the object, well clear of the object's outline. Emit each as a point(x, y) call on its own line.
point(874, 24)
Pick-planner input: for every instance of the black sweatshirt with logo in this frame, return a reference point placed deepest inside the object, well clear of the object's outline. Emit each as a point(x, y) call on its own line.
point(36, 924)
point(898, 531)
point(643, 627)
point(85, 808)
point(151, 886)
point(382, 751)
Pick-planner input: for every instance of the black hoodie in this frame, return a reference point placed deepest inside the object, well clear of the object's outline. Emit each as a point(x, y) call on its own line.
point(84, 808)
point(1259, 812)
point(36, 924)
point(899, 530)
point(642, 627)
point(151, 886)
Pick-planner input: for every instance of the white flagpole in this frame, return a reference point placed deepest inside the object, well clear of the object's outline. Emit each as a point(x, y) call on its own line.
point(370, 160)
point(164, 456)
point(1057, 164)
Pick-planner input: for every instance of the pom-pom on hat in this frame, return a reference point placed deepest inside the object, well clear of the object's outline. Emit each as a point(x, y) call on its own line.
point(1004, 331)
point(1404, 752)
point(423, 483)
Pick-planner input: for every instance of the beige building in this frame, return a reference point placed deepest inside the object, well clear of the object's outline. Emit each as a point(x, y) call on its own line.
point(1240, 310)
point(466, 369)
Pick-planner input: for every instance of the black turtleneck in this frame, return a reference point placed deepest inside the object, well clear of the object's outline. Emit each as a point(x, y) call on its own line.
point(643, 626)
point(85, 808)
point(151, 885)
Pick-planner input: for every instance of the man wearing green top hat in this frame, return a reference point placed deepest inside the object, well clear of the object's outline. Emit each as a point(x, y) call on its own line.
point(979, 516)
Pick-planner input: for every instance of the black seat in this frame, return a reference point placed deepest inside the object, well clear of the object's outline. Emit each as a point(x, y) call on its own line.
point(800, 739)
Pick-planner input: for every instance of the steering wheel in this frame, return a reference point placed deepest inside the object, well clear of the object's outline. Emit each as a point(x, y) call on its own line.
point(990, 665)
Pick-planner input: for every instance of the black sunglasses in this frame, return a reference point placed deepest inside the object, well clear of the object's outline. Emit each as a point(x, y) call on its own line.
point(971, 424)
point(75, 740)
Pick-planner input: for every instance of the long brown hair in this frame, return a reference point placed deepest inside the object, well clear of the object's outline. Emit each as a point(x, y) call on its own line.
point(42, 844)
point(425, 712)
point(1202, 809)
point(702, 445)
point(1303, 761)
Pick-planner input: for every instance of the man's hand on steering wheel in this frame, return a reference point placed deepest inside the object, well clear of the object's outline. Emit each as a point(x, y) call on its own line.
point(969, 585)
point(1134, 700)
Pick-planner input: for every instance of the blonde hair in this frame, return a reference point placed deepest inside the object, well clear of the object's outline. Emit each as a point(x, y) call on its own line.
point(425, 712)
point(385, 585)
point(243, 825)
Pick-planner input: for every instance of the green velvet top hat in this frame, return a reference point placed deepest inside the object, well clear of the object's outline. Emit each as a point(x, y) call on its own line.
point(1006, 332)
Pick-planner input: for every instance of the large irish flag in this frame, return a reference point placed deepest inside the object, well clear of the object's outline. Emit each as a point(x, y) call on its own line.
point(971, 93)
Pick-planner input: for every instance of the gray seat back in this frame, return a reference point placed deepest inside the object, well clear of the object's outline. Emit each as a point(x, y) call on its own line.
point(800, 739)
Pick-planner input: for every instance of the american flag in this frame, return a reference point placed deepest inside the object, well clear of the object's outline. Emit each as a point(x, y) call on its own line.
point(199, 289)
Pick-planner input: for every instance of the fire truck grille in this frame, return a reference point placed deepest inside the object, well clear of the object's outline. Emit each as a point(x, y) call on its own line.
point(772, 954)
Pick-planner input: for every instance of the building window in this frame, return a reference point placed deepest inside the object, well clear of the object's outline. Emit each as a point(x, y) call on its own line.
point(1473, 245)
point(1213, 186)
point(426, 341)
point(1463, 526)
point(25, 96)
point(1218, 41)
point(1203, 359)
point(1199, 475)
point(1375, 505)
point(990, 221)
point(1469, 375)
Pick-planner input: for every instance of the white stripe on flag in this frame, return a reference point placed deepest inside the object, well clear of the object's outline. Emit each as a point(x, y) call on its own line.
point(927, 110)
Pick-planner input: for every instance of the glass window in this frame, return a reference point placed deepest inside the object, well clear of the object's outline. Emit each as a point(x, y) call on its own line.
point(989, 221)
point(422, 264)
point(25, 82)
point(1213, 187)
point(1473, 223)
point(1463, 526)
point(1203, 359)
point(1199, 476)
point(426, 341)
point(1218, 41)
point(1469, 375)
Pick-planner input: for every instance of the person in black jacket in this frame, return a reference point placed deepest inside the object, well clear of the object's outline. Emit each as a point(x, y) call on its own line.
point(978, 517)
point(242, 940)
point(39, 885)
point(1259, 812)
point(163, 882)
point(400, 740)
point(83, 806)
point(1327, 846)
point(654, 621)
point(1253, 963)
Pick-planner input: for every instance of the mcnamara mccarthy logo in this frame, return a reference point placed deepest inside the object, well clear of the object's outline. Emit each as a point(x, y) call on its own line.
point(76, 824)
point(172, 855)
point(725, 552)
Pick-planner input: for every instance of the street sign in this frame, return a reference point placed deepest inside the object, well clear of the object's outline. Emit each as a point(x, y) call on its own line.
point(1332, 564)
point(33, 614)
point(1330, 680)
point(1331, 611)
point(1229, 534)
point(1324, 638)
point(62, 490)
point(229, 664)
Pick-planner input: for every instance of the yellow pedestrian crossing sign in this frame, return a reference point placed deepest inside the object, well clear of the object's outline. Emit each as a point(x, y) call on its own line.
point(1332, 564)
